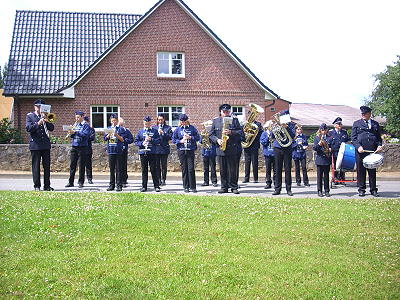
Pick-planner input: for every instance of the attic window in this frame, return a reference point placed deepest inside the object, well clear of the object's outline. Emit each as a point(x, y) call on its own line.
point(170, 64)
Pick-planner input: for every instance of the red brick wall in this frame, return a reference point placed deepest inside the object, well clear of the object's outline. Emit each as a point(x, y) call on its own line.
point(127, 76)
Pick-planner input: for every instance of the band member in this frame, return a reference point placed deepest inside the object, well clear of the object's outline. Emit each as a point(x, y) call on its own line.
point(209, 154)
point(283, 156)
point(80, 135)
point(322, 144)
point(251, 156)
point(228, 135)
point(163, 149)
point(147, 140)
point(299, 155)
point(366, 138)
point(39, 144)
point(128, 139)
point(115, 144)
point(338, 136)
point(89, 168)
point(267, 141)
point(186, 137)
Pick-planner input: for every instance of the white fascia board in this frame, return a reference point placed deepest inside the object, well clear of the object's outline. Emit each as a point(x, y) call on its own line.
point(69, 92)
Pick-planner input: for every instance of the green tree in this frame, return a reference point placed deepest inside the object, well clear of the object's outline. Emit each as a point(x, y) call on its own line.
point(385, 98)
point(3, 74)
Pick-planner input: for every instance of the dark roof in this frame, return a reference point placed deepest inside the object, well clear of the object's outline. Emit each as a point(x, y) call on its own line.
point(49, 50)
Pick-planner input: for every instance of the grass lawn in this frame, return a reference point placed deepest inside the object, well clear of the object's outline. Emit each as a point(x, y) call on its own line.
point(144, 246)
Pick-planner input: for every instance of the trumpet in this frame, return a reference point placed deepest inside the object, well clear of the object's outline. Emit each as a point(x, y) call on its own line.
point(72, 128)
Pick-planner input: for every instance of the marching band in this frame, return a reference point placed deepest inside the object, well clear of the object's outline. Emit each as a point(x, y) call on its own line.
point(221, 139)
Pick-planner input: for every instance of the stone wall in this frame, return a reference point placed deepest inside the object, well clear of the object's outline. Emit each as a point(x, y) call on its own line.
point(17, 157)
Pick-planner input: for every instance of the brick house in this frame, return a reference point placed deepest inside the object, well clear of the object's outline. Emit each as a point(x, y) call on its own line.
point(164, 62)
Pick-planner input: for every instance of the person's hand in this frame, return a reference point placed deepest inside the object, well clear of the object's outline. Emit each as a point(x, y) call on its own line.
point(360, 149)
point(160, 131)
point(379, 149)
point(219, 141)
point(304, 147)
point(320, 143)
point(41, 121)
point(148, 138)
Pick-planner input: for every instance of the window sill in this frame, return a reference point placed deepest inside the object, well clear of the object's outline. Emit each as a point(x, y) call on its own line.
point(170, 78)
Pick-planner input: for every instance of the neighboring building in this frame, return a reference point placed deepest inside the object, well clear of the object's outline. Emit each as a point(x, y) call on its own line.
point(311, 116)
point(6, 105)
point(164, 62)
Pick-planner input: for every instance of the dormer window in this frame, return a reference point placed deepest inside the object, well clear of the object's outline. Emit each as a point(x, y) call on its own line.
point(170, 64)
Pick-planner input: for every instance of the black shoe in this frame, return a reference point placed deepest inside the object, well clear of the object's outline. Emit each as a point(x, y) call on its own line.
point(162, 182)
point(124, 185)
point(111, 188)
point(215, 184)
point(289, 193)
point(255, 181)
point(320, 194)
point(375, 194)
point(69, 185)
point(186, 190)
point(245, 181)
point(298, 184)
point(235, 191)
point(90, 181)
point(143, 189)
point(37, 189)
point(119, 188)
point(204, 184)
point(193, 190)
point(306, 184)
point(327, 194)
point(222, 191)
point(49, 189)
point(157, 189)
point(276, 192)
point(81, 185)
point(361, 193)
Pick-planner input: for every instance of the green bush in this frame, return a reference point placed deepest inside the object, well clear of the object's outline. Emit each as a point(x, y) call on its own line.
point(9, 135)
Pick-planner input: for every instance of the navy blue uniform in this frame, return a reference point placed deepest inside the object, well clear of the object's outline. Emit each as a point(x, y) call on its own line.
point(322, 161)
point(251, 155)
point(128, 139)
point(368, 137)
point(89, 168)
point(229, 159)
point(268, 151)
point(299, 156)
point(162, 152)
point(39, 145)
point(338, 137)
point(209, 164)
point(80, 139)
point(186, 157)
point(114, 150)
point(148, 158)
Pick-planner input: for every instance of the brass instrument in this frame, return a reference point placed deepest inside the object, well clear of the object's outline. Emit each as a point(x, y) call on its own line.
point(71, 129)
point(324, 144)
point(51, 117)
point(226, 121)
point(205, 135)
point(280, 132)
point(249, 128)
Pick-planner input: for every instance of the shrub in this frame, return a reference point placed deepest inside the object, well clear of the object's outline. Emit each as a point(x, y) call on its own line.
point(9, 135)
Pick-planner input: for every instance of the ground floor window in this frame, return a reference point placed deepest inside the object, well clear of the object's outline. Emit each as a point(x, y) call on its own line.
point(100, 115)
point(239, 112)
point(171, 114)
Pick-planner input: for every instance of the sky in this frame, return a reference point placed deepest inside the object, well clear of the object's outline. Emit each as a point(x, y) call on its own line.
point(308, 51)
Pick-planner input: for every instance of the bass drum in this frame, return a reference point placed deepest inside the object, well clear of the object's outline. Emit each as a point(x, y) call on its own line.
point(346, 157)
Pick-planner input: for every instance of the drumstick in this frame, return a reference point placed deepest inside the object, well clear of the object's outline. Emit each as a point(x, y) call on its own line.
point(370, 151)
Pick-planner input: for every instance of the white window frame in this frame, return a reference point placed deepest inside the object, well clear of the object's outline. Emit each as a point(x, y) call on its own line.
point(242, 116)
point(104, 114)
point(170, 65)
point(169, 112)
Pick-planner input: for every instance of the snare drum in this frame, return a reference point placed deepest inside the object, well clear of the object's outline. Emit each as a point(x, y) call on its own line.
point(346, 157)
point(373, 160)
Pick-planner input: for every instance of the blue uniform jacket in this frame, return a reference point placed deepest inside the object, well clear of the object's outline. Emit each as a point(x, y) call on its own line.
point(212, 152)
point(267, 142)
point(337, 139)
point(321, 159)
point(361, 135)
point(291, 130)
point(116, 146)
point(128, 139)
point(81, 136)
point(299, 152)
point(163, 147)
point(141, 136)
point(180, 132)
point(256, 143)
point(39, 139)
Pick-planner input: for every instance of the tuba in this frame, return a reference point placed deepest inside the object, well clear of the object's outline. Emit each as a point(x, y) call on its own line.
point(281, 134)
point(205, 136)
point(249, 128)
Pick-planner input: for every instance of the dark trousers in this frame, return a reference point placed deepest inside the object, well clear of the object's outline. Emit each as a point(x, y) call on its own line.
point(303, 163)
point(115, 163)
point(229, 171)
point(339, 174)
point(323, 176)
point(283, 156)
point(362, 174)
point(269, 166)
point(89, 169)
point(251, 158)
point(124, 167)
point(78, 153)
point(147, 160)
point(209, 162)
point(186, 160)
point(161, 166)
point(43, 155)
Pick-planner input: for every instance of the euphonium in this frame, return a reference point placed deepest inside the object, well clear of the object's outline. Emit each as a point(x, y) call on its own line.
point(281, 134)
point(249, 128)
